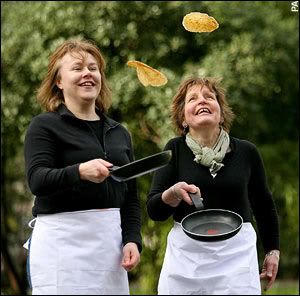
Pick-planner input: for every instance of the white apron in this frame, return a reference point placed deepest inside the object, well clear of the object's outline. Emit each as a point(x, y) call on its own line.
point(228, 267)
point(77, 253)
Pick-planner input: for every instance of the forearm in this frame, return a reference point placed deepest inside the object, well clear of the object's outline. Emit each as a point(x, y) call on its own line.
point(42, 180)
point(131, 217)
point(157, 209)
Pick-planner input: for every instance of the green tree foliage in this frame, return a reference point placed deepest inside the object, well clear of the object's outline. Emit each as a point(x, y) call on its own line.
point(255, 51)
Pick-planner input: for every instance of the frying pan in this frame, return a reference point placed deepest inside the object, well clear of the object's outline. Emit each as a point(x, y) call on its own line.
point(140, 167)
point(211, 224)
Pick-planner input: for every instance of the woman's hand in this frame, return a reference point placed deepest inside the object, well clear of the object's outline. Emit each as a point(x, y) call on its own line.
point(131, 256)
point(95, 170)
point(178, 192)
point(270, 268)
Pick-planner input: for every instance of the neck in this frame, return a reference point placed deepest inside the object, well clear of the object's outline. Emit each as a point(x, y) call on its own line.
point(206, 138)
point(85, 112)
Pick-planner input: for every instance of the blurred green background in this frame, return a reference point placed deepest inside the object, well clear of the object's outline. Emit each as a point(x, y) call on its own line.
point(256, 52)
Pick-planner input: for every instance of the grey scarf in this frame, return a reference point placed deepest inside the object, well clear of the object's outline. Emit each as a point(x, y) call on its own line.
point(210, 157)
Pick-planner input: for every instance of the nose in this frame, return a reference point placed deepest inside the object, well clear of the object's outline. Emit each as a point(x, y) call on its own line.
point(86, 72)
point(200, 99)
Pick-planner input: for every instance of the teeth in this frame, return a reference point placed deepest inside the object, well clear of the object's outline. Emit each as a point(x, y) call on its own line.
point(87, 84)
point(203, 110)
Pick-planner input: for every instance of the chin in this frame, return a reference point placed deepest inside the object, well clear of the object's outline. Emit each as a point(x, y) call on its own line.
point(204, 124)
point(88, 100)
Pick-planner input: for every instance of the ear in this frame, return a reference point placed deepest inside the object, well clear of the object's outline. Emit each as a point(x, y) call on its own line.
point(221, 119)
point(58, 84)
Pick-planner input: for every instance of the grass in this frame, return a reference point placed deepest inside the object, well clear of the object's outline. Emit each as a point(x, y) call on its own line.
point(284, 287)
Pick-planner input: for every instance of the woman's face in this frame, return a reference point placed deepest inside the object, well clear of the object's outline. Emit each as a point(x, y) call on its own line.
point(201, 108)
point(80, 79)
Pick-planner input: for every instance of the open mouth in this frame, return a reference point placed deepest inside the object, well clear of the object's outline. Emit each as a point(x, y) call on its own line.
point(203, 111)
point(87, 83)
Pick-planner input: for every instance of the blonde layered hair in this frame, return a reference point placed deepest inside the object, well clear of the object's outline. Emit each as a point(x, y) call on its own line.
point(50, 96)
point(178, 103)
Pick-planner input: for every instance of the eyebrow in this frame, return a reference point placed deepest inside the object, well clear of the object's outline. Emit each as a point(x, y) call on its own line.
point(81, 62)
point(191, 94)
point(205, 93)
point(209, 93)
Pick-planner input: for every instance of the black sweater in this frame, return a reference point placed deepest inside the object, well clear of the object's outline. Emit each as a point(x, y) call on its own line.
point(240, 186)
point(55, 145)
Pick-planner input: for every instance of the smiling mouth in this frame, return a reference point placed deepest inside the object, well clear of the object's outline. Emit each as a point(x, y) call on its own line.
point(89, 83)
point(203, 111)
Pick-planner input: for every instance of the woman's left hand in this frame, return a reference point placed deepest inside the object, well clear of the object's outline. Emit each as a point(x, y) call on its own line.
point(270, 268)
point(131, 256)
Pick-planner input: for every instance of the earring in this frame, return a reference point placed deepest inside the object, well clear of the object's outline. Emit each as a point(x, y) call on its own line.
point(185, 127)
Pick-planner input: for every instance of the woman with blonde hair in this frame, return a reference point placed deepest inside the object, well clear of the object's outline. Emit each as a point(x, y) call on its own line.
point(87, 231)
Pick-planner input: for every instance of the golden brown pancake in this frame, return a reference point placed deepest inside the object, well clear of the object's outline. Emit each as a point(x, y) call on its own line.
point(199, 22)
point(147, 75)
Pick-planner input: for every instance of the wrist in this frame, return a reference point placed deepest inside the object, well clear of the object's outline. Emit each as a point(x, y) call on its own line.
point(175, 194)
point(273, 253)
point(81, 170)
point(169, 198)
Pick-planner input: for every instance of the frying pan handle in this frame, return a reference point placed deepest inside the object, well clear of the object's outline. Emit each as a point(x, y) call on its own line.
point(197, 200)
point(111, 169)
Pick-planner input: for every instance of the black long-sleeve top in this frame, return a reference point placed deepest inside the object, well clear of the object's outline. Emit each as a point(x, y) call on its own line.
point(55, 145)
point(239, 186)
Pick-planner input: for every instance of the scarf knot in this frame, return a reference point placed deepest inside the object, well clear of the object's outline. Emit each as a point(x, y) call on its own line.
point(210, 157)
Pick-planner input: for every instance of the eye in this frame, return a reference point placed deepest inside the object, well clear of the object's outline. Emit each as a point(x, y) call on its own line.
point(93, 68)
point(210, 97)
point(191, 99)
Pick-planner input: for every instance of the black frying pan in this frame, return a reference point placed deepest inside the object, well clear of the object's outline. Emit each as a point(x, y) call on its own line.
point(140, 167)
point(211, 224)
